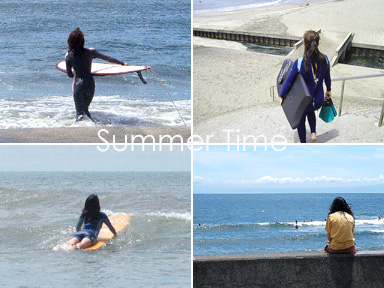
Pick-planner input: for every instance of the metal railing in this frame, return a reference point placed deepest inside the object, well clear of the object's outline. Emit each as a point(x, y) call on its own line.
point(354, 78)
point(272, 92)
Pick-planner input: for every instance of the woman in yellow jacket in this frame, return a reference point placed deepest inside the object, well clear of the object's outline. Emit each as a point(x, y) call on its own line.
point(340, 227)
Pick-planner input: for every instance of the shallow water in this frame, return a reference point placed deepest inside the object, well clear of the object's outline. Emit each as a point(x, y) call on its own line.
point(365, 61)
point(39, 211)
point(268, 48)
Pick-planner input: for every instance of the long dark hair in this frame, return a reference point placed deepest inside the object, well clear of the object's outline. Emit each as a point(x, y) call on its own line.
point(339, 204)
point(91, 207)
point(311, 41)
point(76, 40)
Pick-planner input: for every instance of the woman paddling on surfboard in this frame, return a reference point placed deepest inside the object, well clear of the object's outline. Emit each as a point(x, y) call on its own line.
point(315, 69)
point(90, 220)
point(80, 59)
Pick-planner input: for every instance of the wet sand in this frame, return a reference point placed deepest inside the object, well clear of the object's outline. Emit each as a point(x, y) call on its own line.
point(96, 135)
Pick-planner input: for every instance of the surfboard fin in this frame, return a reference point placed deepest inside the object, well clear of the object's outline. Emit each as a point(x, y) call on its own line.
point(141, 77)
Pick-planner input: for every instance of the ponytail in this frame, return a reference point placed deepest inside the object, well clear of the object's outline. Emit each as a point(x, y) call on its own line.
point(311, 50)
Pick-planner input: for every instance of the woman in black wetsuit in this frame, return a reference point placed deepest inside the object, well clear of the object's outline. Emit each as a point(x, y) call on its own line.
point(80, 59)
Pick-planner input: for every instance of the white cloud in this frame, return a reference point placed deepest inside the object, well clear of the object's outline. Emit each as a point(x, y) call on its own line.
point(307, 180)
point(201, 180)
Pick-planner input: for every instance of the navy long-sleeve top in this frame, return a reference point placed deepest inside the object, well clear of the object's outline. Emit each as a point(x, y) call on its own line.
point(316, 89)
point(94, 225)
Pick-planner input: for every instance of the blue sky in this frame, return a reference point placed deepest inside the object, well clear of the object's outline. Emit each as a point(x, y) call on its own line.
point(317, 168)
point(89, 158)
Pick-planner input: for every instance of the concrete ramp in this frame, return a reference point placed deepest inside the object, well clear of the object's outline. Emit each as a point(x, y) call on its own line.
point(333, 44)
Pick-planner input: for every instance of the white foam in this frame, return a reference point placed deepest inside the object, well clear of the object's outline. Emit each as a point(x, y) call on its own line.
point(365, 222)
point(108, 212)
point(182, 216)
point(63, 247)
point(377, 231)
point(59, 111)
point(308, 223)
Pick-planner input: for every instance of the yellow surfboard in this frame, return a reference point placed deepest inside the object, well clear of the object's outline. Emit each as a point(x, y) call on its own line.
point(118, 221)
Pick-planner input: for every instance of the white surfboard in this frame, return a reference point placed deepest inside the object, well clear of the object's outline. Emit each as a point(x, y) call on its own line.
point(105, 69)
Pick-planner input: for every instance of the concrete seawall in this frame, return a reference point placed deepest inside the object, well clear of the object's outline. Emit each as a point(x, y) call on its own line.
point(364, 269)
point(246, 37)
point(344, 46)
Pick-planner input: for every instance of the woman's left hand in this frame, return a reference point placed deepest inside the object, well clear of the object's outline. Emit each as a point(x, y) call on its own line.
point(281, 101)
point(328, 94)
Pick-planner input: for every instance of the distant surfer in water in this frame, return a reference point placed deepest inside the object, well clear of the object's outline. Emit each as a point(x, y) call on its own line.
point(80, 59)
point(315, 69)
point(340, 227)
point(89, 224)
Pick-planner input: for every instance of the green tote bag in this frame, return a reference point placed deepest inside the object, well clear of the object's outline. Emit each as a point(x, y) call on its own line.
point(328, 111)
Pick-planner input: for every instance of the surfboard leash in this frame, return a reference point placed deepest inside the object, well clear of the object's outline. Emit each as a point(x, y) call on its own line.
point(169, 95)
point(141, 77)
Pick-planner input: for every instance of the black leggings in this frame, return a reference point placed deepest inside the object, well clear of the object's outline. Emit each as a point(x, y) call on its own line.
point(310, 114)
point(83, 91)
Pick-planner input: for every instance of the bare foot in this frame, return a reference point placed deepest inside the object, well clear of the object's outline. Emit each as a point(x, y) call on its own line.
point(313, 137)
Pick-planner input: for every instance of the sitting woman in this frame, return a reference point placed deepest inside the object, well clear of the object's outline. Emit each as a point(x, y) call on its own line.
point(340, 227)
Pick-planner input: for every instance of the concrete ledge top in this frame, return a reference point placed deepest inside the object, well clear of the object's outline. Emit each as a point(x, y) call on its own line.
point(283, 256)
point(367, 46)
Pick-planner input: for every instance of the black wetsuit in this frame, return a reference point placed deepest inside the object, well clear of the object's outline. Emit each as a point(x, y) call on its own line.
point(83, 83)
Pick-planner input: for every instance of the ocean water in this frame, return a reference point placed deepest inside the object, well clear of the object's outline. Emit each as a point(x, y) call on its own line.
point(267, 48)
point(212, 6)
point(366, 61)
point(39, 211)
point(265, 223)
point(33, 93)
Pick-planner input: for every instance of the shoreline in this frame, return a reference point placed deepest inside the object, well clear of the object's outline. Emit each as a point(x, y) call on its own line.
point(234, 7)
point(266, 19)
point(96, 135)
